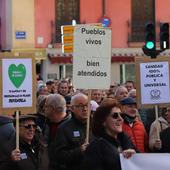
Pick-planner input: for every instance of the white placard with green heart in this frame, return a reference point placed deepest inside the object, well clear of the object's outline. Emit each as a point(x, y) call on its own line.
point(17, 82)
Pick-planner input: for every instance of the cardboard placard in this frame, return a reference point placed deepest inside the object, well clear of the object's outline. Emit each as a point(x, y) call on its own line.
point(153, 81)
point(17, 84)
point(91, 57)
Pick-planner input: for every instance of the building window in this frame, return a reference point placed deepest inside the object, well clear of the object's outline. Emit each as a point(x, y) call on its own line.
point(66, 11)
point(65, 71)
point(127, 72)
point(143, 11)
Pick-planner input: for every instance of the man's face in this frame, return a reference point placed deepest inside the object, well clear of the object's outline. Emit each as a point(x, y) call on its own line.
point(80, 108)
point(97, 96)
point(129, 110)
point(63, 89)
point(129, 86)
point(27, 130)
point(43, 91)
point(113, 87)
point(51, 88)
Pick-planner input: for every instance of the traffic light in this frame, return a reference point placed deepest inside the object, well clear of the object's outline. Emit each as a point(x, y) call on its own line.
point(150, 36)
point(164, 36)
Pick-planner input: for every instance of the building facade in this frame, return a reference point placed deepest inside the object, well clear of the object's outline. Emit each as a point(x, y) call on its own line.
point(35, 25)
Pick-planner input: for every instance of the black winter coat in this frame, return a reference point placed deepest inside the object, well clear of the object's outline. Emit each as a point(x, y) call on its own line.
point(165, 138)
point(7, 137)
point(103, 152)
point(70, 136)
point(33, 157)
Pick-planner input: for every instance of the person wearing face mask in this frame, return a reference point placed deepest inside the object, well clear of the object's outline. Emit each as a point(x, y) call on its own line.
point(132, 125)
point(103, 152)
point(32, 153)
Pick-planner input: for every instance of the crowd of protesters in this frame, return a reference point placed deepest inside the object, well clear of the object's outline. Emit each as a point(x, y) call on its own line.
point(54, 138)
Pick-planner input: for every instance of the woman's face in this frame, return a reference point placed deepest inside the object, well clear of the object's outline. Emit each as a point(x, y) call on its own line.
point(114, 121)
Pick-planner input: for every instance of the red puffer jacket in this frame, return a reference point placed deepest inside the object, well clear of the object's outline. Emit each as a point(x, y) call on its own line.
point(138, 135)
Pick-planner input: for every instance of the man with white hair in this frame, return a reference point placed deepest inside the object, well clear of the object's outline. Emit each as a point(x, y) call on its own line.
point(55, 110)
point(70, 141)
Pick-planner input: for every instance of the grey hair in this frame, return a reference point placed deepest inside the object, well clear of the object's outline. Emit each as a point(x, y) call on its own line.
point(118, 89)
point(77, 96)
point(57, 101)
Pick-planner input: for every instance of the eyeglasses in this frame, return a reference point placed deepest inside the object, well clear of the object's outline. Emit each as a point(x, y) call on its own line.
point(115, 115)
point(81, 106)
point(30, 126)
point(112, 86)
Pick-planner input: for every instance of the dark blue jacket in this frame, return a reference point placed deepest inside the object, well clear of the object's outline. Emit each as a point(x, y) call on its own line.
point(70, 136)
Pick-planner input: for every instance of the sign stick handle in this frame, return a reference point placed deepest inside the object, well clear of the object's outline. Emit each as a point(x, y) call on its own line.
point(17, 129)
point(156, 117)
point(88, 117)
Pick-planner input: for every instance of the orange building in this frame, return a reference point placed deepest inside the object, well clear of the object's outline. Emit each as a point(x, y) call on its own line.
point(35, 25)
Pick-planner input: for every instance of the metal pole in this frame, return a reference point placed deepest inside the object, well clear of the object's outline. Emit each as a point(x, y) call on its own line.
point(103, 7)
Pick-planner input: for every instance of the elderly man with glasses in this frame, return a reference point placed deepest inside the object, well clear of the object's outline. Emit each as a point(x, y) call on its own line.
point(70, 140)
point(32, 153)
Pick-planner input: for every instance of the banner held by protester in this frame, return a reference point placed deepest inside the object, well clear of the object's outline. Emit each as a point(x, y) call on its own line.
point(146, 162)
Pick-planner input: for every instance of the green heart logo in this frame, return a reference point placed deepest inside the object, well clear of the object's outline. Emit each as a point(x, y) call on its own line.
point(17, 74)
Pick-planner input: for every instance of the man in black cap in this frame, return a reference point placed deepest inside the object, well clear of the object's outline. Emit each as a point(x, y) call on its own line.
point(132, 124)
point(32, 154)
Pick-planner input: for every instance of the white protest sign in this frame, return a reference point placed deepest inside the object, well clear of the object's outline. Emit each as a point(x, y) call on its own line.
point(91, 57)
point(17, 83)
point(146, 161)
point(154, 82)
